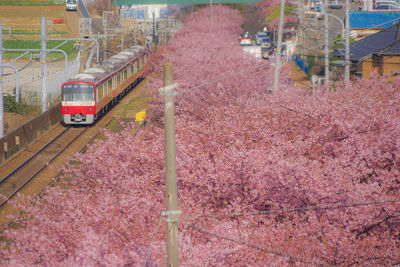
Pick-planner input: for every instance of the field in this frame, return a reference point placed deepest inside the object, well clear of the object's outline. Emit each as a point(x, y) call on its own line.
point(24, 23)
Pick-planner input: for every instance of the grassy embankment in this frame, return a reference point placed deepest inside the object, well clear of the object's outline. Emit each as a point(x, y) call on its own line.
point(68, 47)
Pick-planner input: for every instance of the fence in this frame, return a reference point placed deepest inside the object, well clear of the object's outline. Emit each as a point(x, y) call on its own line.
point(21, 137)
point(302, 64)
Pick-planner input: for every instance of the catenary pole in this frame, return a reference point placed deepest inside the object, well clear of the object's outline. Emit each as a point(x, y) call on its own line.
point(326, 43)
point(279, 48)
point(43, 59)
point(347, 45)
point(170, 167)
point(211, 11)
point(1, 84)
point(300, 4)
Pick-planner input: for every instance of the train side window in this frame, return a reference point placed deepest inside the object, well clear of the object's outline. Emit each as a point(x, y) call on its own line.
point(110, 85)
point(119, 76)
point(136, 66)
point(125, 74)
point(114, 82)
point(100, 91)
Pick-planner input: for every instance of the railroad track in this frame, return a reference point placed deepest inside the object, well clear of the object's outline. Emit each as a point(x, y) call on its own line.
point(17, 179)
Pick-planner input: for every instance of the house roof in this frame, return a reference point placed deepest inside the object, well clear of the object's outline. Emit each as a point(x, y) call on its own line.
point(392, 50)
point(373, 44)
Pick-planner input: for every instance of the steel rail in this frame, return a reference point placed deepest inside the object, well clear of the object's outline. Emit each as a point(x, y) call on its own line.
point(31, 157)
point(44, 165)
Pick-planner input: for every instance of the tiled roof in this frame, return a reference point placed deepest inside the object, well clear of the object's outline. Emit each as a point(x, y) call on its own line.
point(372, 44)
point(393, 50)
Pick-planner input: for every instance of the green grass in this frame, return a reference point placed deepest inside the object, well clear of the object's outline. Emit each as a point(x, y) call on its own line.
point(68, 47)
point(10, 105)
point(30, 3)
point(135, 105)
point(289, 9)
point(24, 32)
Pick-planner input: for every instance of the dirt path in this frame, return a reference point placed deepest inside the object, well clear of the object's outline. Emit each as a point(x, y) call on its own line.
point(298, 76)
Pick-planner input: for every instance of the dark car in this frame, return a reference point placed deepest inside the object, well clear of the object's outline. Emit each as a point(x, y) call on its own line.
point(265, 41)
point(335, 4)
point(387, 6)
point(260, 35)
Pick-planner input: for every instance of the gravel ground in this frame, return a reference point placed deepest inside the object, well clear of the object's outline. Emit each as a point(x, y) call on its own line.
point(29, 74)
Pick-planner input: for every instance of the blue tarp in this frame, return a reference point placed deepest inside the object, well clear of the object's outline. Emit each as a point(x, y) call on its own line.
point(373, 19)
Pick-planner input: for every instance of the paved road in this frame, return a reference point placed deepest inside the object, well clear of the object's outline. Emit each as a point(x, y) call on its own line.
point(253, 50)
point(253, 19)
point(30, 78)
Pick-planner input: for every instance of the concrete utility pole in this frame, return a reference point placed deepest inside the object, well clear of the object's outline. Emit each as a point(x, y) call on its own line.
point(279, 48)
point(43, 59)
point(301, 22)
point(1, 84)
point(326, 43)
point(347, 45)
point(211, 11)
point(170, 167)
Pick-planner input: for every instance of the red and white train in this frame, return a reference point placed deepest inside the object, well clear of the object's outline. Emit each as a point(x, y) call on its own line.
point(86, 95)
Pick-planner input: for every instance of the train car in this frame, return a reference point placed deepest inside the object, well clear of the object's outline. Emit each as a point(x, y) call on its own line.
point(86, 95)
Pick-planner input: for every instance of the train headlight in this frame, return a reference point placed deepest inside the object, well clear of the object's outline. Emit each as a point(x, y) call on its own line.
point(89, 109)
point(66, 109)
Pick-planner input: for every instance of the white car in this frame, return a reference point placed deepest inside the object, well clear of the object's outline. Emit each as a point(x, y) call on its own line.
point(245, 41)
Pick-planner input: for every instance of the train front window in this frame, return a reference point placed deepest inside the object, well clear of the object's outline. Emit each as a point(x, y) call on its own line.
point(78, 92)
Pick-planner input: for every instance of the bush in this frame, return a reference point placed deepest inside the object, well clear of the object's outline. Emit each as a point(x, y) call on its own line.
point(10, 105)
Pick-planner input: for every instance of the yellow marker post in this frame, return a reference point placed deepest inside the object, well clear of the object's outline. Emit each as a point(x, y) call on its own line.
point(140, 117)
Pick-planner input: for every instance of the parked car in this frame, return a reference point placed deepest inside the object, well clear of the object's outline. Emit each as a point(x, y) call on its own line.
point(387, 6)
point(335, 4)
point(265, 41)
point(245, 39)
point(265, 52)
point(260, 35)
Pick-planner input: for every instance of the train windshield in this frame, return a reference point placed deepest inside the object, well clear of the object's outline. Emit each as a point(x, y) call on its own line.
point(78, 92)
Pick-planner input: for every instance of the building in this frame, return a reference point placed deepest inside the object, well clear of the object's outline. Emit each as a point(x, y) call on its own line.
point(379, 52)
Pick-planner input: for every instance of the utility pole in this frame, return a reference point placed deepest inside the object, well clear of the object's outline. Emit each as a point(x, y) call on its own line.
point(301, 22)
point(43, 59)
point(326, 43)
point(211, 11)
point(279, 48)
point(347, 45)
point(1, 84)
point(170, 167)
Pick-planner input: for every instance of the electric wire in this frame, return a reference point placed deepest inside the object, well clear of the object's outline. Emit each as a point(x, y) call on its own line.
point(152, 241)
point(309, 208)
point(255, 246)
